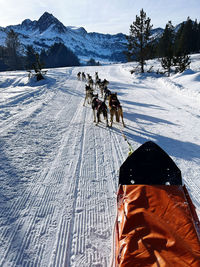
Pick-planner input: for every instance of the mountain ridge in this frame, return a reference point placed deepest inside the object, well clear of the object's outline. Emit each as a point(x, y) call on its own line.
point(47, 30)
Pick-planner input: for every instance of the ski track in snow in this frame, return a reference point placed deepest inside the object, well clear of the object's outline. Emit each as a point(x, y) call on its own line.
point(59, 172)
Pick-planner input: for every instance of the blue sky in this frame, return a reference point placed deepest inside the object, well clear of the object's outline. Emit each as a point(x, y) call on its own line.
point(105, 16)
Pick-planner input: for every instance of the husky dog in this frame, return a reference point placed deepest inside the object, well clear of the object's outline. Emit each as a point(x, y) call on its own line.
point(83, 76)
point(91, 82)
point(105, 82)
point(103, 85)
point(79, 75)
point(97, 84)
point(107, 93)
point(99, 107)
point(88, 77)
point(115, 108)
point(96, 76)
point(88, 94)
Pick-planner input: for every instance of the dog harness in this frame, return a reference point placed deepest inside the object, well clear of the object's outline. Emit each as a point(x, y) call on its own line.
point(99, 103)
point(115, 103)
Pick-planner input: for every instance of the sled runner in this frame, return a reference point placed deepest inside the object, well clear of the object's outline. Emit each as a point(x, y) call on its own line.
point(156, 223)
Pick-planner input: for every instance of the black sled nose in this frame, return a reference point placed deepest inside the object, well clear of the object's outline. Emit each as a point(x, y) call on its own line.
point(149, 165)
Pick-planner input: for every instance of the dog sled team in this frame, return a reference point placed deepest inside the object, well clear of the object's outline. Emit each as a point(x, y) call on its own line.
point(99, 106)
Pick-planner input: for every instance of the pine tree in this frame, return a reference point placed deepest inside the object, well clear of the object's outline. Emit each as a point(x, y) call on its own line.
point(3, 54)
point(195, 37)
point(178, 49)
point(33, 61)
point(139, 39)
point(198, 38)
point(12, 45)
point(44, 57)
point(173, 55)
point(181, 62)
point(167, 44)
point(167, 63)
point(37, 66)
point(30, 57)
point(92, 62)
point(61, 56)
point(186, 41)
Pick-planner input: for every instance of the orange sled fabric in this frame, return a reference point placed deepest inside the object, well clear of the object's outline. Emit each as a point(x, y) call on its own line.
point(156, 226)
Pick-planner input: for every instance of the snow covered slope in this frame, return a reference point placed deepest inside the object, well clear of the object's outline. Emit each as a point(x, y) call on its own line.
point(48, 30)
point(59, 172)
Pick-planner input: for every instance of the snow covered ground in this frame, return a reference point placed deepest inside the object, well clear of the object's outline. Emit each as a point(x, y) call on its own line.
point(59, 172)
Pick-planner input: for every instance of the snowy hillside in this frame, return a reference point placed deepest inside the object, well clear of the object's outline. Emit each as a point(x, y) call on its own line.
point(47, 30)
point(59, 172)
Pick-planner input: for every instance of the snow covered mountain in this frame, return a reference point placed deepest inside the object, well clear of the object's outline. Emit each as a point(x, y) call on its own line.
point(47, 30)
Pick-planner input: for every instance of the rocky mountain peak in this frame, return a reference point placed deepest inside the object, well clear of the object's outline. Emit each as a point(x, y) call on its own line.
point(28, 24)
point(47, 20)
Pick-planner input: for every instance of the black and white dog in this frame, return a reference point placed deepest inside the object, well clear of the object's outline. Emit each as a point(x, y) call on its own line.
point(107, 92)
point(88, 94)
point(103, 85)
point(99, 107)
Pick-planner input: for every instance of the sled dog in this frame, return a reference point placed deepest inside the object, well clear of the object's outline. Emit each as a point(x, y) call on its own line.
point(115, 109)
point(99, 107)
point(107, 93)
point(88, 94)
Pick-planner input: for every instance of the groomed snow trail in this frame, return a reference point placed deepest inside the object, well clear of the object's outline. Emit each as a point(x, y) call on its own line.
point(59, 171)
